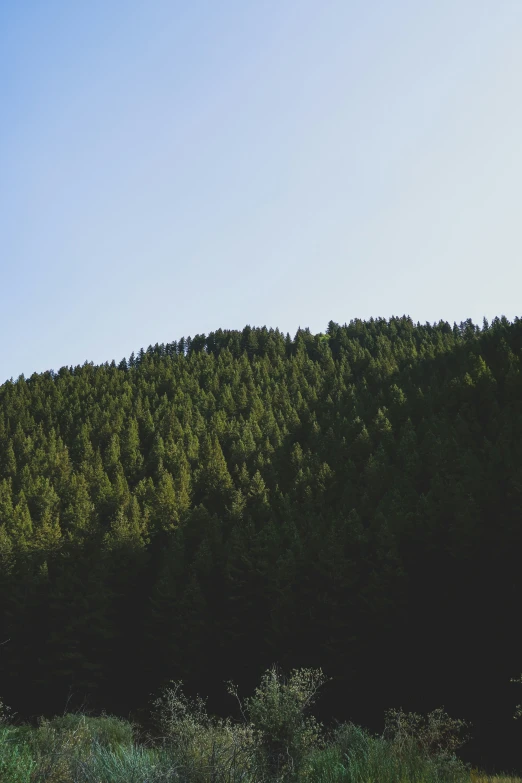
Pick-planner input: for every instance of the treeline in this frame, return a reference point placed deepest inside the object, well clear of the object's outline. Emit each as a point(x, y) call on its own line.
point(350, 500)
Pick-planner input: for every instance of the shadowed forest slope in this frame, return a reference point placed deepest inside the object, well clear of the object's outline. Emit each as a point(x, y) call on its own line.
point(349, 500)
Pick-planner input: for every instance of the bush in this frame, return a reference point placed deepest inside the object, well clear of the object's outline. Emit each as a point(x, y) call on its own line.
point(366, 758)
point(107, 730)
point(61, 745)
point(177, 717)
point(283, 733)
point(201, 747)
point(432, 735)
point(57, 752)
point(271, 744)
point(5, 713)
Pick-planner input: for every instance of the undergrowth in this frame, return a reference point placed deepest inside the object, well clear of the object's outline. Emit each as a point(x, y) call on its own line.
point(277, 741)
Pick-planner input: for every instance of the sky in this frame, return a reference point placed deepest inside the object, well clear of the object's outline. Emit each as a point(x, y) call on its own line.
point(170, 168)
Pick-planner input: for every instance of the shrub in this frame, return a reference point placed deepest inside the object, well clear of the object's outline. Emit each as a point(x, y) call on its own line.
point(5, 713)
point(366, 758)
point(176, 716)
point(277, 713)
point(57, 752)
point(107, 730)
point(432, 735)
point(202, 748)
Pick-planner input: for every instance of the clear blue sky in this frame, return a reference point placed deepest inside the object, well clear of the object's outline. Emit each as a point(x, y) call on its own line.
point(169, 168)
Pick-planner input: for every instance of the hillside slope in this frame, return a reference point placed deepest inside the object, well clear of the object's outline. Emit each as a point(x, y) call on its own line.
point(349, 500)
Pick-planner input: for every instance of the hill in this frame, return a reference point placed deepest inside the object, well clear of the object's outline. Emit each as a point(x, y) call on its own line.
point(349, 500)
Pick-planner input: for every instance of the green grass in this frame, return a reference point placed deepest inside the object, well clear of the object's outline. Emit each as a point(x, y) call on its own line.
point(354, 756)
point(16, 760)
point(81, 749)
point(480, 777)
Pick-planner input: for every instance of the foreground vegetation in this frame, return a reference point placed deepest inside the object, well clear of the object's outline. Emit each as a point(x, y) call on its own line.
point(276, 740)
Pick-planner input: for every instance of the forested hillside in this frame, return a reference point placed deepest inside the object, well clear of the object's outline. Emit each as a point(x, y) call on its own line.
point(349, 500)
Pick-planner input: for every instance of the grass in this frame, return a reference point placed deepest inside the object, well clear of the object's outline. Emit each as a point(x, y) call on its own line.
point(81, 749)
point(479, 777)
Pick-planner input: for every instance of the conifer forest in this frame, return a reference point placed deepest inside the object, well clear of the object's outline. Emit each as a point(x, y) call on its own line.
point(206, 508)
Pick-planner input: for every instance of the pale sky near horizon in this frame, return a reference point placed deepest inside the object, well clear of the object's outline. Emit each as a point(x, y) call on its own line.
point(171, 168)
